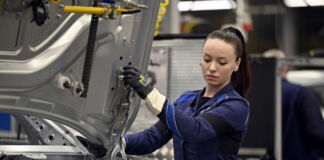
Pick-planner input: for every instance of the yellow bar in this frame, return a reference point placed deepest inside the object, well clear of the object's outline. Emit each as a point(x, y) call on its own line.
point(91, 10)
point(119, 11)
point(85, 10)
point(55, 1)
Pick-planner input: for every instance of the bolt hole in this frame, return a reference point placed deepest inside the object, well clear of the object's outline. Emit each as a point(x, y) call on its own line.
point(129, 63)
point(121, 57)
point(64, 144)
point(36, 122)
point(112, 88)
point(41, 127)
point(51, 137)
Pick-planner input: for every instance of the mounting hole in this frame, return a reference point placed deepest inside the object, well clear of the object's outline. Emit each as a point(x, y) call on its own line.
point(121, 57)
point(112, 88)
point(36, 122)
point(64, 144)
point(51, 137)
point(129, 63)
point(41, 127)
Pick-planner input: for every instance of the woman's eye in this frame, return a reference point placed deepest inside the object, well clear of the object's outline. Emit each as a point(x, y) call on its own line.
point(222, 63)
point(206, 59)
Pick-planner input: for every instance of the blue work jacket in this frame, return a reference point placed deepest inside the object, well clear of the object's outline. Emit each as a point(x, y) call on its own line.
point(213, 131)
point(303, 124)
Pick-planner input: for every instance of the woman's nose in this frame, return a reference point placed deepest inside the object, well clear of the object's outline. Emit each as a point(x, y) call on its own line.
point(212, 67)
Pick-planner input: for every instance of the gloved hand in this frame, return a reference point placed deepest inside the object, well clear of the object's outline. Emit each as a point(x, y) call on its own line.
point(134, 78)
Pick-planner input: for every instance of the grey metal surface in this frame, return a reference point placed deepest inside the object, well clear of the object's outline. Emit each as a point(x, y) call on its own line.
point(38, 57)
point(28, 152)
point(46, 132)
point(16, 149)
point(20, 9)
point(278, 114)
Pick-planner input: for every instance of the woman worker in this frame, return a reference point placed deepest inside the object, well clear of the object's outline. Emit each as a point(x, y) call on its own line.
point(204, 124)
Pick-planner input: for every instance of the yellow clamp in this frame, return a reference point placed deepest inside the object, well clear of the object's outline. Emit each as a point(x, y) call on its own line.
point(142, 78)
point(312, 53)
point(92, 10)
point(55, 1)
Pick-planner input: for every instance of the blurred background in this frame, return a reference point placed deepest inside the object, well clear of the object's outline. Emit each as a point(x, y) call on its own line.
point(295, 26)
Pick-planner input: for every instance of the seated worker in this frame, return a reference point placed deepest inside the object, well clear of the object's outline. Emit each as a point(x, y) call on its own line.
point(204, 124)
point(302, 121)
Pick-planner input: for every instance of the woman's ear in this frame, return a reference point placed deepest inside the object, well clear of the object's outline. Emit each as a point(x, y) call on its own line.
point(237, 64)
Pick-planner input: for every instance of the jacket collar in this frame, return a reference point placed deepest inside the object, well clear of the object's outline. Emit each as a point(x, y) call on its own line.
point(223, 91)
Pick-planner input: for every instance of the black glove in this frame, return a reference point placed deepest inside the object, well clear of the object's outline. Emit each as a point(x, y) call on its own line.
point(134, 78)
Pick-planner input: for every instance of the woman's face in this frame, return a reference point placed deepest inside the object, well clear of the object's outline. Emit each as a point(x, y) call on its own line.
point(218, 62)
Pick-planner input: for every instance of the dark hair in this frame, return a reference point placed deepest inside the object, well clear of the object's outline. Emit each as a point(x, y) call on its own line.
point(240, 79)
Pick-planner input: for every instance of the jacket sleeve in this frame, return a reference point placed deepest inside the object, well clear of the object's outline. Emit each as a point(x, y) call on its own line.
point(308, 109)
point(231, 115)
point(147, 141)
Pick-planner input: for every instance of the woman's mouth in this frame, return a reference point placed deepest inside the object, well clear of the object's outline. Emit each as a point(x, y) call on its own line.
point(211, 77)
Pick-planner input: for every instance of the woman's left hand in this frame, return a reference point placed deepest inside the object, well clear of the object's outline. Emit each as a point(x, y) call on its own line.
point(134, 78)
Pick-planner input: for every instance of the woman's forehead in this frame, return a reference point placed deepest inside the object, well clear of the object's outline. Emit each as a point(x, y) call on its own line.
point(218, 48)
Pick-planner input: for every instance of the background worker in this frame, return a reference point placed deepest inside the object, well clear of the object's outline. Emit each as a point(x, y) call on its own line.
point(204, 124)
point(302, 121)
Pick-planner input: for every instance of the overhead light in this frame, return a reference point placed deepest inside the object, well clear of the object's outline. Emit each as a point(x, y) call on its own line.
point(315, 2)
point(206, 5)
point(295, 3)
point(304, 3)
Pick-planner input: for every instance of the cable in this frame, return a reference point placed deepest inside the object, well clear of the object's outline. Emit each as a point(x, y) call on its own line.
point(40, 12)
point(160, 16)
point(131, 12)
point(89, 52)
point(19, 132)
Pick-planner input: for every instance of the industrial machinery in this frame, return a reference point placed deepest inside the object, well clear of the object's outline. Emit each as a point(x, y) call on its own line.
point(59, 64)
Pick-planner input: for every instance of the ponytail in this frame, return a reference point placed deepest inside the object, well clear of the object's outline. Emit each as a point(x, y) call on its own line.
point(241, 79)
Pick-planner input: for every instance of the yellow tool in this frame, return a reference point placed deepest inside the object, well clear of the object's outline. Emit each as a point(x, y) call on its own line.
point(55, 1)
point(142, 78)
point(92, 10)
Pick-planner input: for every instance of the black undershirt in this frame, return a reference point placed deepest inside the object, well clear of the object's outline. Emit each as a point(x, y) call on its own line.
point(202, 101)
